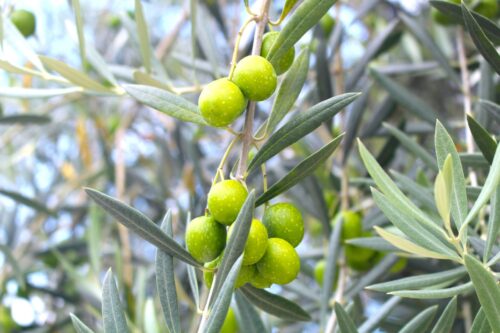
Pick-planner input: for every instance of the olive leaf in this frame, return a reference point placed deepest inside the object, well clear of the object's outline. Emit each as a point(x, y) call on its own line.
point(302, 170)
point(165, 281)
point(484, 140)
point(78, 325)
point(435, 293)
point(248, 316)
point(142, 225)
point(346, 324)
point(483, 44)
point(421, 322)
point(166, 102)
point(79, 27)
point(113, 315)
point(25, 119)
point(29, 202)
point(143, 34)
point(274, 304)
point(304, 18)
point(299, 126)
point(480, 324)
point(493, 225)
point(447, 318)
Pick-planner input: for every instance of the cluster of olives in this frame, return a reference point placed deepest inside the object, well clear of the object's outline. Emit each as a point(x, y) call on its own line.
point(488, 8)
point(254, 78)
point(356, 258)
point(24, 21)
point(269, 254)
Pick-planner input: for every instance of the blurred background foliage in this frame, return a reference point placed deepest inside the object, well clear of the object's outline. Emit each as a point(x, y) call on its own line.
point(56, 245)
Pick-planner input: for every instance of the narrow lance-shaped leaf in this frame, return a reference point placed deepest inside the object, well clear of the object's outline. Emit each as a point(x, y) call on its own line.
point(223, 299)
point(383, 311)
point(405, 98)
point(299, 126)
point(480, 324)
point(406, 245)
point(165, 102)
point(443, 187)
point(421, 322)
point(143, 34)
point(346, 324)
point(31, 93)
point(274, 304)
point(483, 139)
point(73, 75)
point(247, 315)
point(79, 326)
point(286, 9)
point(25, 119)
point(483, 44)
point(454, 11)
point(493, 225)
point(289, 90)
point(435, 293)
point(447, 318)
point(235, 245)
point(79, 27)
point(487, 290)
point(20, 44)
point(304, 18)
point(165, 281)
point(24, 200)
point(420, 281)
point(302, 170)
point(113, 315)
point(142, 225)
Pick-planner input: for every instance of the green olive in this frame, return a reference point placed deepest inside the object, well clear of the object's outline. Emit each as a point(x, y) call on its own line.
point(284, 63)
point(256, 244)
point(230, 323)
point(259, 281)
point(280, 264)
point(221, 102)
point(327, 23)
point(319, 273)
point(208, 276)
point(225, 200)
point(255, 76)
point(24, 21)
point(205, 238)
point(353, 225)
point(247, 273)
point(284, 220)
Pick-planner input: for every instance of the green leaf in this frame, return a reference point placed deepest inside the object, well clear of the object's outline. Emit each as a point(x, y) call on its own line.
point(447, 318)
point(421, 194)
point(444, 146)
point(165, 281)
point(382, 312)
point(148, 80)
point(274, 304)
point(435, 293)
point(483, 139)
point(493, 225)
point(9, 257)
point(79, 326)
point(408, 246)
point(455, 11)
point(299, 126)
point(492, 108)
point(334, 248)
point(79, 27)
point(443, 188)
point(7, 66)
point(289, 90)
point(420, 281)
point(247, 315)
point(374, 243)
point(73, 75)
point(20, 44)
point(142, 32)
point(487, 290)
point(304, 18)
point(286, 9)
point(24, 200)
point(346, 324)
point(25, 119)
point(113, 315)
point(223, 299)
point(489, 187)
point(405, 98)
point(426, 39)
point(142, 225)
point(193, 284)
point(412, 146)
point(483, 44)
point(412, 229)
point(394, 194)
point(302, 170)
point(29, 93)
point(421, 322)
point(480, 324)
point(235, 244)
point(165, 102)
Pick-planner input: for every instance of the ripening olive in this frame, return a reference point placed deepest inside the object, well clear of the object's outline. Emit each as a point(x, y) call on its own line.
point(319, 273)
point(221, 102)
point(256, 78)
point(24, 21)
point(247, 273)
point(327, 23)
point(284, 63)
point(205, 238)
point(256, 244)
point(280, 264)
point(225, 200)
point(284, 220)
point(230, 323)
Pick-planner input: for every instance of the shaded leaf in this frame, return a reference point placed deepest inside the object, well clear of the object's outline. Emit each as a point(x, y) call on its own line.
point(302, 170)
point(421, 322)
point(480, 324)
point(142, 33)
point(483, 139)
point(165, 102)
point(382, 312)
point(24, 200)
point(274, 304)
point(79, 27)
point(25, 119)
point(447, 318)
point(142, 225)
point(374, 243)
point(435, 293)
point(493, 225)
point(79, 326)
point(346, 324)
point(113, 315)
point(248, 317)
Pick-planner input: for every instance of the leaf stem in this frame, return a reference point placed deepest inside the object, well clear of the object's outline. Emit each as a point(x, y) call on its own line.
point(234, 59)
point(219, 171)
